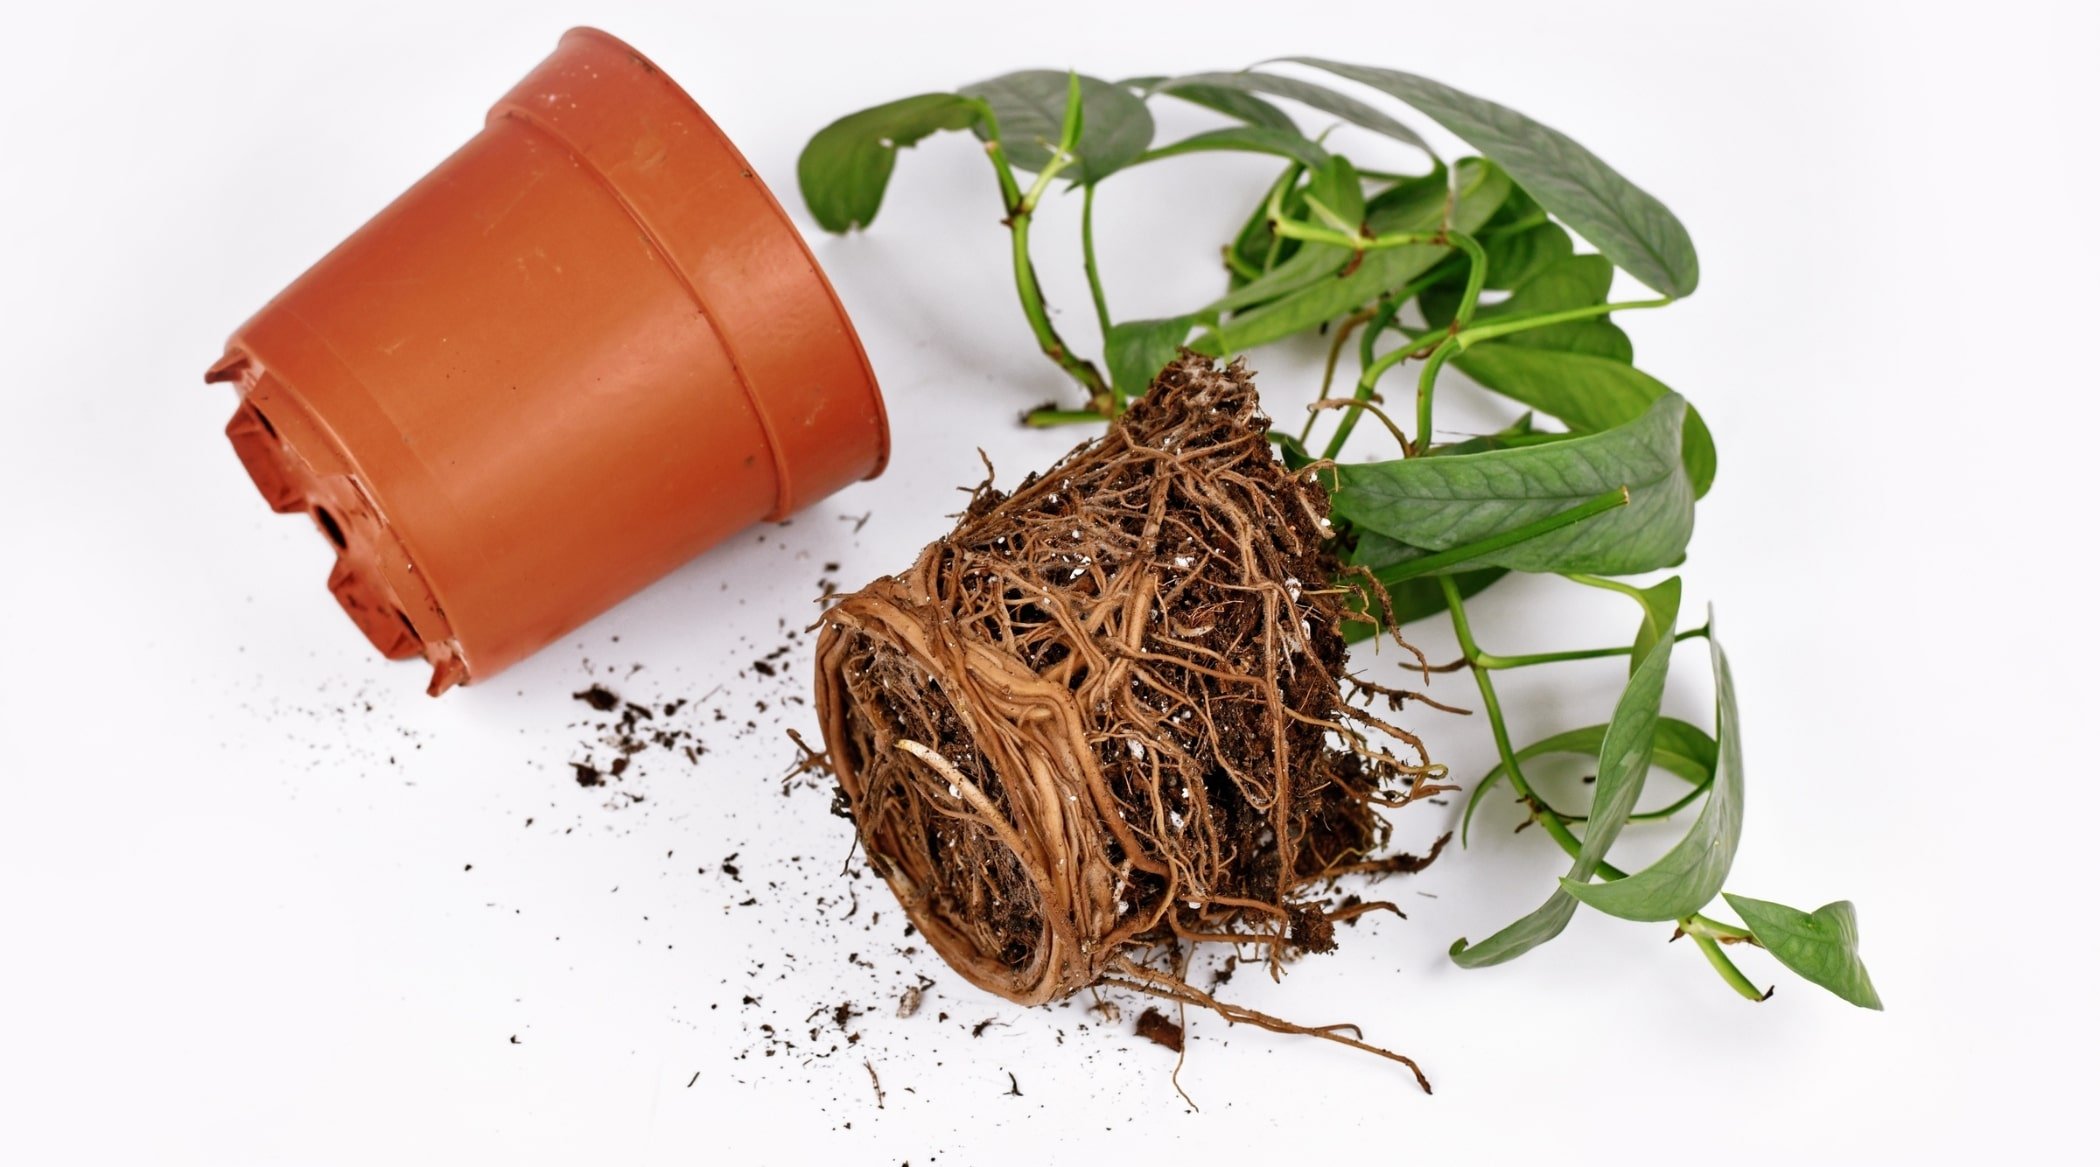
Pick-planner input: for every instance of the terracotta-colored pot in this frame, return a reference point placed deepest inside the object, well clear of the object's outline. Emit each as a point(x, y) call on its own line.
point(585, 348)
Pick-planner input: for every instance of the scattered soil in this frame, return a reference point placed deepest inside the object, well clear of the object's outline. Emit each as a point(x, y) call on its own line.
point(1153, 1025)
point(1107, 718)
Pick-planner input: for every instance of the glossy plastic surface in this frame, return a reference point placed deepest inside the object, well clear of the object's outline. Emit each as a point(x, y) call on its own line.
point(586, 347)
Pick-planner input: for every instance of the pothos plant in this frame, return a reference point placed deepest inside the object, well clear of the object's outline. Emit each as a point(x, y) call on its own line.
point(1403, 264)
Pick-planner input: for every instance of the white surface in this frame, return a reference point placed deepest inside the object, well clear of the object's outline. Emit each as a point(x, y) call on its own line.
point(235, 924)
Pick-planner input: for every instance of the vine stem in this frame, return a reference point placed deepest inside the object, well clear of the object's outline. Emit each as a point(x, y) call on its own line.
point(1020, 213)
point(1438, 351)
point(1489, 331)
point(1489, 660)
point(1043, 419)
point(1093, 267)
point(1726, 967)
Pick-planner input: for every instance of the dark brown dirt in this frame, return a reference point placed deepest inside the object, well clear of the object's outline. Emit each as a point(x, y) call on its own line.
point(1153, 1025)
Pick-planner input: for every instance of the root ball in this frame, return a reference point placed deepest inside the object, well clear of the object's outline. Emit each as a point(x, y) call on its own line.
point(1107, 717)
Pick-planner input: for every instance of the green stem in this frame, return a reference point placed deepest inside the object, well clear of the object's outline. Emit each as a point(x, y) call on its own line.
point(1726, 967)
point(1662, 814)
point(1648, 816)
point(1492, 705)
point(1425, 391)
point(1093, 268)
point(1425, 386)
point(1513, 324)
point(1425, 396)
point(1271, 208)
point(1716, 930)
point(1489, 660)
point(1046, 418)
point(1020, 212)
point(1442, 560)
point(1379, 322)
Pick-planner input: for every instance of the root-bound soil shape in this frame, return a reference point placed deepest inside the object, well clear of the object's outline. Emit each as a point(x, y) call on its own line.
point(1106, 718)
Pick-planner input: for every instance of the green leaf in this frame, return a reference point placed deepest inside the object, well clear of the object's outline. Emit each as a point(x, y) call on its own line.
point(1030, 106)
point(1588, 392)
point(1401, 201)
point(1577, 281)
point(1822, 946)
point(1623, 758)
point(1522, 432)
point(1136, 350)
point(1234, 103)
point(1626, 223)
point(1690, 874)
point(1515, 256)
point(1681, 748)
point(1307, 267)
point(1315, 301)
point(1318, 96)
point(1439, 503)
point(1659, 606)
point(846, 166)
point(1527, 932)
point(1293, 452)
point(1335, 193)
point(1246, 139)
point(1251, 247)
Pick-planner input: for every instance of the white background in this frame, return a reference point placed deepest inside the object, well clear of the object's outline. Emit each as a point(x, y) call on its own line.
point(237, 923)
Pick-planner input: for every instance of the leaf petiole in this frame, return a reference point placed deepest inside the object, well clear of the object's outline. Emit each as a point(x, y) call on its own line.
point(1489, 660)
point(1494, 328)
point(1093, 267)
point(1726, 967)
point(1019, 214)
point(1048, 418)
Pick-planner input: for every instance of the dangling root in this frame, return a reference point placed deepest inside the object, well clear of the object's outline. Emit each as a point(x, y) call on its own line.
point(1131, 975)
point(1107, 712)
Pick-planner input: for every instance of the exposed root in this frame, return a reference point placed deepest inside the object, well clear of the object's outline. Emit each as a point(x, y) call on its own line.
point(1131, 975)
point(1108, 712)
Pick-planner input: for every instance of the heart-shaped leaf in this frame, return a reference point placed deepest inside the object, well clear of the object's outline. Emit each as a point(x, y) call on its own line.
point(1822, 946)
point(1030, 107)
point(1514, 257)
point(846, 167)
point(1136, 350)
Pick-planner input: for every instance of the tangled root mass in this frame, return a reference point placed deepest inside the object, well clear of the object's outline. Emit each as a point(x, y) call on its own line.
point(1105, 718)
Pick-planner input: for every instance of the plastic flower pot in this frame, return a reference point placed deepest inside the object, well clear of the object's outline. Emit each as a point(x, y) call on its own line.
point(585, 348)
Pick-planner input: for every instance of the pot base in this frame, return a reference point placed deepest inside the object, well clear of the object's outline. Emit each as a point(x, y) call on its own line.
point(296, 467)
